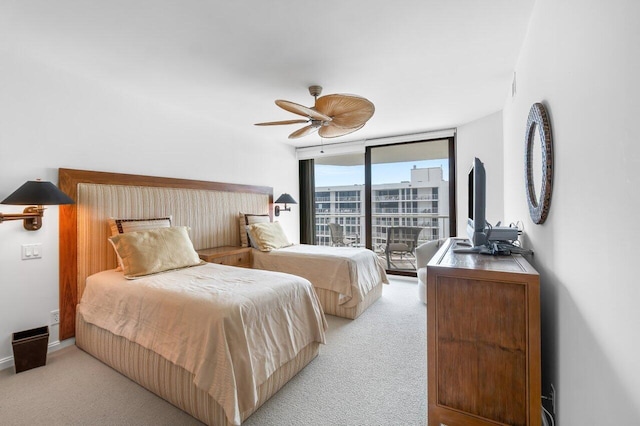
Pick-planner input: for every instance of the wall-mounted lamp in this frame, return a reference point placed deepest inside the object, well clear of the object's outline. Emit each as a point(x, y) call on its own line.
point(36, 192)
point(284, 199)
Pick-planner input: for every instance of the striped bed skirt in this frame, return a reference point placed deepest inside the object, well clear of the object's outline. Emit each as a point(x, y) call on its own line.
point(170, 382)
point(329, 301)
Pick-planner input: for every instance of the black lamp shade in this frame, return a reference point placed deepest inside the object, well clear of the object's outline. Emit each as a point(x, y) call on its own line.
point(37, 192)
point(285, 199)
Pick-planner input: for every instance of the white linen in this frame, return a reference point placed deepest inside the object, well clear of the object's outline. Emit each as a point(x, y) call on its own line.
point(350, 271)
point(230, 327)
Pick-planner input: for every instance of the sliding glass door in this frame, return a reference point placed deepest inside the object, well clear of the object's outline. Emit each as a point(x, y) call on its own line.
point(390, 199)
point(410, 199)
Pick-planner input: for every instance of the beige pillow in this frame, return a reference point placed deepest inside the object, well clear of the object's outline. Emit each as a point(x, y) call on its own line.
point(120, 226)
point(267, 236)
point(245, 219)
point(155, 250)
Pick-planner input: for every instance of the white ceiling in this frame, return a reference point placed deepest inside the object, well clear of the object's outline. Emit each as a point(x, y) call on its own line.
point(425, 64)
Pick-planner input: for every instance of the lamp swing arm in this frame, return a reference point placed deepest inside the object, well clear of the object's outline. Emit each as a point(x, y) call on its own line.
point(277, 209)
point(29, 213)
point(32, 217)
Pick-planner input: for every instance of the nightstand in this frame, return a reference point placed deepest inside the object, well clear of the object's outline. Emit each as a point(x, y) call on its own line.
point(227, 255)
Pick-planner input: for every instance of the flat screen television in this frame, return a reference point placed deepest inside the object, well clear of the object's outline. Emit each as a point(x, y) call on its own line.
point(482, 235)
point(476, 222)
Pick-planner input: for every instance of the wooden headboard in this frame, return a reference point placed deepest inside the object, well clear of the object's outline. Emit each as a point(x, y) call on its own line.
point(210, 209)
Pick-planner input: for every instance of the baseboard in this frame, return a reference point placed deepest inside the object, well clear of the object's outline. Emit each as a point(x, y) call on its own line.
point(52, 347)
point(6, 362)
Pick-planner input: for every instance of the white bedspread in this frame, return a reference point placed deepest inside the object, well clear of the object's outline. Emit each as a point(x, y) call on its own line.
point(351, 272)
point(231, 327)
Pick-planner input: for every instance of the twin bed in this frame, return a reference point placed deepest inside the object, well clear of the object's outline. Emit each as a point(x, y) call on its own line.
point(216, 341)
point(347, 280)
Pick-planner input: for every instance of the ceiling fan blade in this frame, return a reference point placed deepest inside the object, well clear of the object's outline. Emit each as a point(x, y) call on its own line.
point(331, 131)
point(276, 123)
point(347, 111)
point(302, 110)
point(303, 132)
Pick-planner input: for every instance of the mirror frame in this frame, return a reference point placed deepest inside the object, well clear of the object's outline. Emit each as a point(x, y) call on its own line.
point(539, 119)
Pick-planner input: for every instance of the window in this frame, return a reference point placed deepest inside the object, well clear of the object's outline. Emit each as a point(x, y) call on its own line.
point(410, 185)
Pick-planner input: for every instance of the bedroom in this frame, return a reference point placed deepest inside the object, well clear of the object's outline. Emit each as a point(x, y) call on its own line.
point(578, 57)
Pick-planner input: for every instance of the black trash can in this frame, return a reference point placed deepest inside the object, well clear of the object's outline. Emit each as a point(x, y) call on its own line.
point(30, 348)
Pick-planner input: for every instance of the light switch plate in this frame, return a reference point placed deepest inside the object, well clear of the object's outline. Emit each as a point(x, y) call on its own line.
point(32, 251)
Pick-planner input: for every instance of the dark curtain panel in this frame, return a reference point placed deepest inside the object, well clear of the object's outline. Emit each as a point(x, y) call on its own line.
point(307, 202)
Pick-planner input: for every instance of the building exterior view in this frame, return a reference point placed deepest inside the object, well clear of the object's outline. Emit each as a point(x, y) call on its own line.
point(421, 202)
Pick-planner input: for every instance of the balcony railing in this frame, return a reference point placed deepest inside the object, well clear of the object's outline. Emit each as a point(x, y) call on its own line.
point(342, 212)
point(403, 211)
point(435, 226)
point(426, 197)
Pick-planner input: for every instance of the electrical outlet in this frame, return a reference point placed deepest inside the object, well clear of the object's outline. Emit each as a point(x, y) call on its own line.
point(553, 399)
point(55, 317)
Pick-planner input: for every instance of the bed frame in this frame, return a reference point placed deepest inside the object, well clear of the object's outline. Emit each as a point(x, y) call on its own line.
point(172, 383)
point(330, 301)
point(211, 210)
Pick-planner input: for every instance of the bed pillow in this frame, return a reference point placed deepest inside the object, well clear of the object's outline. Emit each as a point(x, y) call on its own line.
point(155, 250)
point(245, 219)
point(120, 226)
point(267, 236)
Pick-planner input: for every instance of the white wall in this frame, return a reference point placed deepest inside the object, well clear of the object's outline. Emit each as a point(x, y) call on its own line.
point(580, 58)
point(50, 119)
point(483, 139)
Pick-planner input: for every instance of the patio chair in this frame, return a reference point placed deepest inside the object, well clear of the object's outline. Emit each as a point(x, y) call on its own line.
point(339, 239)
point(402, 240)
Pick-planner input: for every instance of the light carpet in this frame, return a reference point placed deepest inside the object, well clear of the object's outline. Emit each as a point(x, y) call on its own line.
point(372, 371)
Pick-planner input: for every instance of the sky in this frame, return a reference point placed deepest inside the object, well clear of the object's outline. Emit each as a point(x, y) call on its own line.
point(380, 173)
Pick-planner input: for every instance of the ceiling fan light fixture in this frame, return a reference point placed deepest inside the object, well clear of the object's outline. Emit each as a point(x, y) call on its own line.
point(334, 115)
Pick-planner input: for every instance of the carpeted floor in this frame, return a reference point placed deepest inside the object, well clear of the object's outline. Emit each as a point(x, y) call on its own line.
point(372, 371)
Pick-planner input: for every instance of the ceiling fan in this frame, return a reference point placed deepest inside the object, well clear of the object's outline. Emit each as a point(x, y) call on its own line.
point(331, 115)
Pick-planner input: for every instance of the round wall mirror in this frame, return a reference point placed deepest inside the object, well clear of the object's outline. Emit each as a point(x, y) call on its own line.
point(538, 163)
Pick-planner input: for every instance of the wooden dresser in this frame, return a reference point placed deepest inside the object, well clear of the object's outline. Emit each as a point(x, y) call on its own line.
point(227, 255)
point(483, 340)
